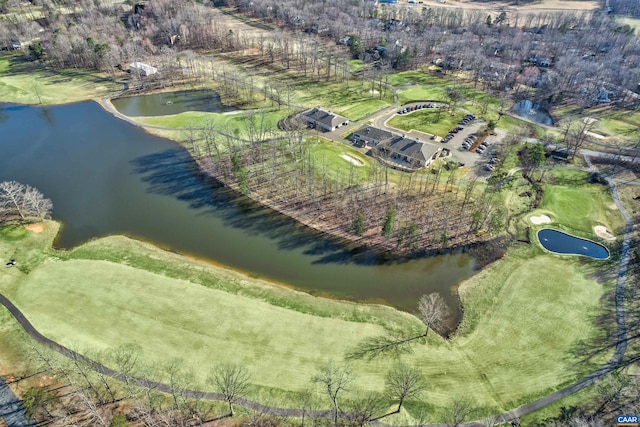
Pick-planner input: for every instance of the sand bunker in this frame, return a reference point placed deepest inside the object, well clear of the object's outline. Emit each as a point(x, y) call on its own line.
point(602, 232)
point(596, 135)
point(540, 219)
point(36, 228)
point(352, 160)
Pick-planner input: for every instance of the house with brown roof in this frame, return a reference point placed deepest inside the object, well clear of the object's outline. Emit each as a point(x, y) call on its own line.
point(324, 120)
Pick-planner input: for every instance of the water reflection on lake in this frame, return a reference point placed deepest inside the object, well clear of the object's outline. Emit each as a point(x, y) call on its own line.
point(533, 112)
point(167, 103)
point(566, 244)
point(108, 177)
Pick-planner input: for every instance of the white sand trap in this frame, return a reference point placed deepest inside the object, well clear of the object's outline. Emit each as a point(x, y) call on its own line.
point(540, 219)
point(596, 135)
point(590, 120)
point(374, 92)
point(352, 160)
point(602, 232)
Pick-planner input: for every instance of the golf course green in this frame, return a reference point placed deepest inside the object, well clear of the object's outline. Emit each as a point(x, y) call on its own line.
point(115, 291)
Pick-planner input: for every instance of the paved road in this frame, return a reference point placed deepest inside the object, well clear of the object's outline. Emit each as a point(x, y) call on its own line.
point(11, 409)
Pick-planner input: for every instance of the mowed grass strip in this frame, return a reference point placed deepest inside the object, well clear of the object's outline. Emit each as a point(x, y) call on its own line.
point(234, 123)
point(427, 120)
point(514, 345)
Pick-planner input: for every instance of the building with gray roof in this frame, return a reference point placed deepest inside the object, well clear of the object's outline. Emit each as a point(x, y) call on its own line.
point(325, 120)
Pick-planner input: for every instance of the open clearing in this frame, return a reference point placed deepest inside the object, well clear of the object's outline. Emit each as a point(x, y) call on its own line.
point(537, 7)
point(115, 291)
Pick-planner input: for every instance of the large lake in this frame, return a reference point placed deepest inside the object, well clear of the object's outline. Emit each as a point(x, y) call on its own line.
point(106, 176)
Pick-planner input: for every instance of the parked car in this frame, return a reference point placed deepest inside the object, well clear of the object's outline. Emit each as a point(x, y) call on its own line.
point(479, 151)
point(459, 128)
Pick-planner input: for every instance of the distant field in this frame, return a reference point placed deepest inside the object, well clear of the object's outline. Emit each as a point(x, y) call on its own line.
point(22, 82)
point(517, 328)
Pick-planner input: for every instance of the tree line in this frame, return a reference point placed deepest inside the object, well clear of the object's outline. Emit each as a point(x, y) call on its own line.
point(575, 56)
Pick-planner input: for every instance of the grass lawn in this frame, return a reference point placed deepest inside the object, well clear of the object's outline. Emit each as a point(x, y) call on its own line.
point(518, 329)
point(420, 93)
point(353, 99)
point(580, 206)
point(362, 109)
point(330, 153)
point(22, 82)
point(233, 123)
point(625, 125)
point(419, 78)
point(426, 121)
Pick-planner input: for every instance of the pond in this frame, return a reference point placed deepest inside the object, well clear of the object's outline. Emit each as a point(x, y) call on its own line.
point(533, 112)
point(167, 103)
point(106, 176)
point(566, 244)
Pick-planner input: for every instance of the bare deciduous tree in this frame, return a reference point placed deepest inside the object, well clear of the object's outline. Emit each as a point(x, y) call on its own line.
point(334, 379)
point(232, 381)
point(23, 200)
point(433, 311)
point(460, 410)
point(404, 382)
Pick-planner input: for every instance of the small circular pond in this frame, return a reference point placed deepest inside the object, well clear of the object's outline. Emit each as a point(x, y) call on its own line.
point(565, 244)
point(167, 103)
point(533, 112)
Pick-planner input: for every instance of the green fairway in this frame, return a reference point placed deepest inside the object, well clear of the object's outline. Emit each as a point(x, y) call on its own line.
point(234, 123)
point(339, 159)
point(625, 125)
point(362, 109)
point(419, 78)
point(354, 99)
point(427, 121)
point(23, 82)
point(517, 328)
point(421, 93)
point(582, 207)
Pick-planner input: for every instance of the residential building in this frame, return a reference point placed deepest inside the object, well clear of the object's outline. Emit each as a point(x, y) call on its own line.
point(142, 69)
